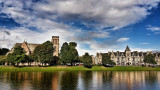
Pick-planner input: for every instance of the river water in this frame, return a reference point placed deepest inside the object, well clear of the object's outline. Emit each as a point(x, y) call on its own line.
point(80, 80)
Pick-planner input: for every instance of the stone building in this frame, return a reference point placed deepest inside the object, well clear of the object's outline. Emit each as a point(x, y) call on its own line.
point(29, 47)
point(55, 40)
point(127, 57)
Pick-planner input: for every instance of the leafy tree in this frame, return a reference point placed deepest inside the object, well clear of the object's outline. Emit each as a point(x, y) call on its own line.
point(73, 53)
point(30, 59)
point(87, 60)
point(10, 59)
point(3, 51)
point(69, 53)
point(54, 61)
point(36, 54)
point(150, 59)
point(63, 53)
point(17, 56)
point(2, 60)
point(21, 59)
point(106, 60)
point(73, 44)
point(44, 53)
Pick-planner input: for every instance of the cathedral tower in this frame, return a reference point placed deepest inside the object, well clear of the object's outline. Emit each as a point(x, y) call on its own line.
point(128, 52)
point(55, 41)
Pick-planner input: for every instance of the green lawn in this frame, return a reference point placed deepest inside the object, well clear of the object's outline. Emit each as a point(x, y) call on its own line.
point(78, 68)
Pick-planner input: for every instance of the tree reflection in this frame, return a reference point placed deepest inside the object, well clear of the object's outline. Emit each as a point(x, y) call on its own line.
point(81, 80)
point(86, 77)
point(151, 77)
point(69, 80)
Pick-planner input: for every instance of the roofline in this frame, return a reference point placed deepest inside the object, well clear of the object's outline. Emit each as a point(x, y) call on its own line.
point(55, 36)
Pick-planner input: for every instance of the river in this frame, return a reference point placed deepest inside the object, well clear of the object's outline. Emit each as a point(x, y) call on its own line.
point(80, 80)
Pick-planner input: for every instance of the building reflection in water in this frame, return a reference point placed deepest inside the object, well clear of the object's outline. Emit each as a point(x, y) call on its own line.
point(80, 80)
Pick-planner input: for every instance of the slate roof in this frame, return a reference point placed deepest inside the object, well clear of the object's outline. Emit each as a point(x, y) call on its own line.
point(31, 46)
point(127, 48)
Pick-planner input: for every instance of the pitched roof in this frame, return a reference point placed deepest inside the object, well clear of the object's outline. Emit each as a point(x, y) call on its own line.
point(127, 48)
point(31, 46)
point(18, 44)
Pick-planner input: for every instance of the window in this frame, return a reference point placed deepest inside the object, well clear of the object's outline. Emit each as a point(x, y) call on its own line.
point(55, 41)
point(55, 48)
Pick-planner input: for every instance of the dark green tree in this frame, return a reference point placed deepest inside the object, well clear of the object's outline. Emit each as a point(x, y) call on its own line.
point(54, 61)
point(2, 59)
point(69, 53)
point(33, 57)
point(73, 53)
point(30, 59)
point(3, 51)
point(87, 60)
point(106, 60)
point(10, 59)
point(150, 59)
point(64, 53)
point(44, 53)
point(17, 56)
point(36, 54)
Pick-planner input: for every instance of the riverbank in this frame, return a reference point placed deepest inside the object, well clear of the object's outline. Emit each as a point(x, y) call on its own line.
point(77, 68)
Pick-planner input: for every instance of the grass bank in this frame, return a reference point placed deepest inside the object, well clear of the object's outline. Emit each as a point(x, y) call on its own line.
point(77, 68)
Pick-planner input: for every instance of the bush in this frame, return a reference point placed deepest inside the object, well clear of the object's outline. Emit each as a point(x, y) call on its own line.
point(87, 60)
point(88, 66)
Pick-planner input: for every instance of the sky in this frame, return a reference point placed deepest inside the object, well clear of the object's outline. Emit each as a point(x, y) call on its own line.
point(96, 25)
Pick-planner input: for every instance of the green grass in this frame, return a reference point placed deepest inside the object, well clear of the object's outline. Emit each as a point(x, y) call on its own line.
point(77, 68)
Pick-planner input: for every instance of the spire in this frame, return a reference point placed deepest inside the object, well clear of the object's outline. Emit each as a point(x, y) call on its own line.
point(127, 48)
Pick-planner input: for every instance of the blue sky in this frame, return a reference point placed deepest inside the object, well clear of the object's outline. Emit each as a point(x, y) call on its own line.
point(96, 25)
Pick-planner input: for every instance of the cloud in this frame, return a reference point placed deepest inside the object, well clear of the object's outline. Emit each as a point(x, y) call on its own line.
point(19, 34)
point(153, 28)
point(54, 17)
point(144, 43)
point(96, 14)
point(148, 34)
point(7, 32)
point(123, 39)
point(142, 50)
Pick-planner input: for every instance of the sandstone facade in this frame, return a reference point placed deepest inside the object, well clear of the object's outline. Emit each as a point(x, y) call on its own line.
point(126, 58)
point(29, 47)
point(55, 41)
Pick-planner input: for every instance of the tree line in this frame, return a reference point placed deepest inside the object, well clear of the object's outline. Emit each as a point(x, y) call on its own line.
point(43, 54)
point(68, 55)
point(3, 51)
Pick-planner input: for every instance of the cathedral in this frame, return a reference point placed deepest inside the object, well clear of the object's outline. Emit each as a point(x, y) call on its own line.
point(126, 58)
point(29, 47)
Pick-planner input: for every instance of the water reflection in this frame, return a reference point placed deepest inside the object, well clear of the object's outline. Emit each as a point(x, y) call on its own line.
point(80, 80)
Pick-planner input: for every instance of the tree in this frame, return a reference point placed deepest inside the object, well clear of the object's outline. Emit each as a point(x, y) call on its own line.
point(87, 60)
point(36, 54)
point(17, 56)
point(2, 60)
point(54, 61)
point(150, 59)
point(3, 51)
point(73, 53)
point(10, 59)
point(44, 53)
point(69, 53)
point(106, 60)
point(63, 53)
point(31, 59)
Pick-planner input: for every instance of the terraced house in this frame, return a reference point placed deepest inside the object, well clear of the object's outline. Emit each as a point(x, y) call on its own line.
point(127, 57)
